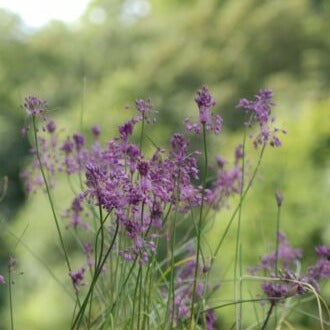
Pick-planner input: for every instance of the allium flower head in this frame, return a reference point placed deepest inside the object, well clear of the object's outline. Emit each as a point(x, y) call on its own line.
point(78, 278)
point(204, 100)
point(96, 131)
point(205, 103)
point(323, 251)
point(143, 107)
point(260, 109)
point(79, 140)
point(34, 106)
point(51, 126)
point(126, 130)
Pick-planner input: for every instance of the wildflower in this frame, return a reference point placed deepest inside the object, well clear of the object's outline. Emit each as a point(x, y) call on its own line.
point(79, 140)
point(67, 146)
point(323, 251)
point(228, 182)
point(211, 319)
point(145, 108)
point(288, 283)
point(75, 212)
point(126, 130)
point(287, 255)
point(260, 110)
point(322, 267)
point(77, 278)
point(51, 126)
point(34, 106)
point(205, 103)
point(96, 131)
point(2, 279)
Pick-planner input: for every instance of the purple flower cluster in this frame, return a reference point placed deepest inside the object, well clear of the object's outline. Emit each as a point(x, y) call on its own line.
point(322, 267)
point(288, 282)
point(77, 278)
point(205, 103)
point(260, 110)
point(34, 106)
point(133, 193)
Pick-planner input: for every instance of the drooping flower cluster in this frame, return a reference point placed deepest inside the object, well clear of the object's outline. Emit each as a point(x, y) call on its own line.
point(260, 110)
point(285, 262)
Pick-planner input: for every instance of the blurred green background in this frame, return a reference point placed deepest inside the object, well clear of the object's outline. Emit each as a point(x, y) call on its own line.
point(165, 50)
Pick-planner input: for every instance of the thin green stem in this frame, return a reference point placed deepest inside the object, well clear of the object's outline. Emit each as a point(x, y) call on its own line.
point(199, 229)
point(240, 284)
point(49, 195)
point(142, 132)
point(10, 299)
point(140, 299)
point(99, 260)
point(239, 302)
point(277, 238)
point(81, 312)
point(268, 316)
point(238, 231)
point(123, 285)
point(134, 297)
point(239, 204)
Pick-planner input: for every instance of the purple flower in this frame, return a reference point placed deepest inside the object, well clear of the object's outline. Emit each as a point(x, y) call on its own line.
point(260, 109)
point(205, 103)
point(78, 278)
point(323, 251)
point(34, 106)
point(126, 130)
point(275, 291)
point(238, 153)
point(142, 106)
point(79, 140)
point(320, 270)
point(287, 255)
point(2, 279)
point(220, 161)
point(51, 126)
point(67, 146)
point(211, 319)
point(143, 168)
point(96, 131)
